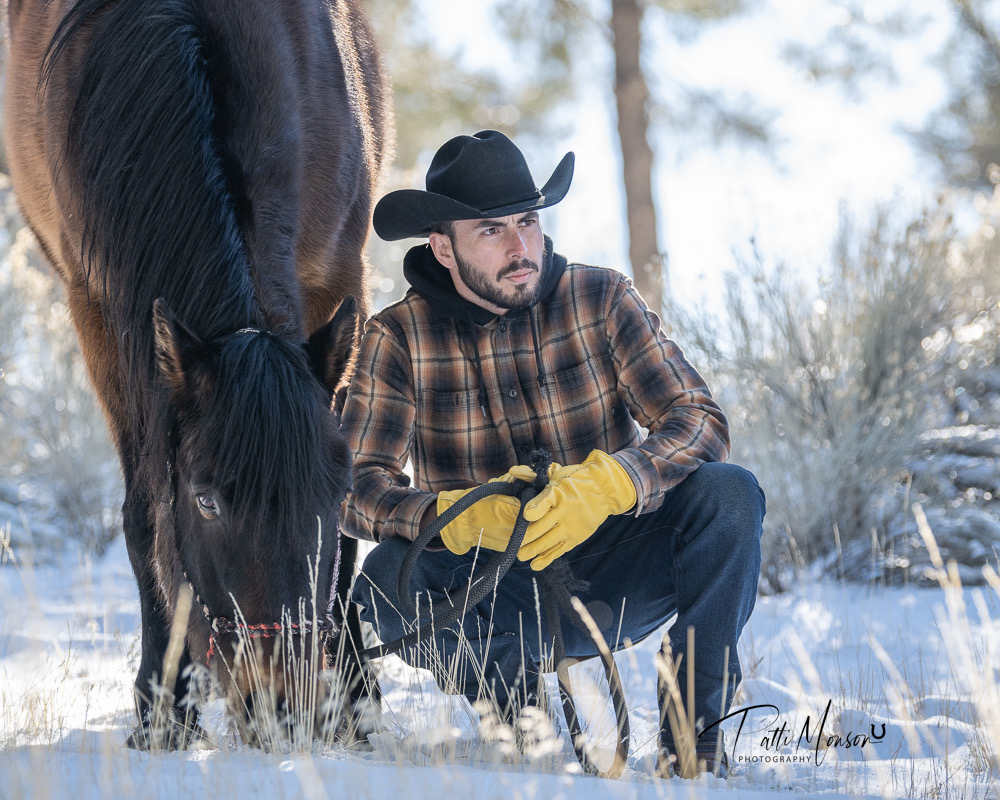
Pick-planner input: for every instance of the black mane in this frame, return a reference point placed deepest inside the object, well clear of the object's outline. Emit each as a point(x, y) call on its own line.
point(158, 213)
point(274, 444)
point(143, 157)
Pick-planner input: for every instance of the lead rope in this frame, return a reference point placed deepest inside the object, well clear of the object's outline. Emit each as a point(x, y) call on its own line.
point(556, 580)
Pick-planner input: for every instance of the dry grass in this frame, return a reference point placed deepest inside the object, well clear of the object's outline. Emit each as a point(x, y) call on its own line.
point(976, 664)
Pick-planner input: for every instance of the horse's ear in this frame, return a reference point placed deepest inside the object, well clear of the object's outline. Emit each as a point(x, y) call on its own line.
point(331, 348)
point(177, 348)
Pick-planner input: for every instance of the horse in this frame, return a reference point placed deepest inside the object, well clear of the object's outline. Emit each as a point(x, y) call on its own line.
point(200, 176)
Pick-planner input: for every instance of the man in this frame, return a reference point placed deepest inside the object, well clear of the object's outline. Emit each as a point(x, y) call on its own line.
point(501, 347)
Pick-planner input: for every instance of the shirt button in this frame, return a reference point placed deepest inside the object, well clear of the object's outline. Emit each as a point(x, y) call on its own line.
point(503, 327)
point(512, 392)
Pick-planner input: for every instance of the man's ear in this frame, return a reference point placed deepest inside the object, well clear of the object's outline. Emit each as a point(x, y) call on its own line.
point(443, 249)
point(331, 348)
point(177, 348)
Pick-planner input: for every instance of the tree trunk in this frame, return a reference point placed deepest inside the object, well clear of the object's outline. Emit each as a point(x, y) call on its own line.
point(631, 96)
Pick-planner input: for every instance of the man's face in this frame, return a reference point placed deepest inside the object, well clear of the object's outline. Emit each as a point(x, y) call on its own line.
point(495, 263)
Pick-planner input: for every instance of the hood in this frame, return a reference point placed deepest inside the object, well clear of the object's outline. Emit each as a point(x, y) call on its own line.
point(433, 283)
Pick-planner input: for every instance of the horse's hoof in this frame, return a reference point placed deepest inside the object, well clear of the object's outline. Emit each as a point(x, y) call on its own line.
point(137, 740)
point(356, 745)
point(366, 719)
point(170, 735)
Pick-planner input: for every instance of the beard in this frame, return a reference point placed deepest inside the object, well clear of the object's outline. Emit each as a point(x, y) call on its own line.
point(492, 291)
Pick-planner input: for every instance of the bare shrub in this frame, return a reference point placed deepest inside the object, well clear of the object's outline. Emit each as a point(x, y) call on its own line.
point(58, 473)
point(828, 388)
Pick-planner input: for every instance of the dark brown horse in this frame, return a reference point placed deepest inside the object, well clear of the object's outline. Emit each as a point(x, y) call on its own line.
point(200, 175)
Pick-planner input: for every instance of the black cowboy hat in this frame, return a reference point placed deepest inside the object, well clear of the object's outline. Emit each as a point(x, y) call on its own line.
point(470, 177)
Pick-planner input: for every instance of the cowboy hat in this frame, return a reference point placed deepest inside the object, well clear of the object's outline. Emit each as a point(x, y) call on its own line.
point(470, 177)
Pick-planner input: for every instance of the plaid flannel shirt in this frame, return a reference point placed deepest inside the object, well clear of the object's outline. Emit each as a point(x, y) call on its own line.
point(601, 365)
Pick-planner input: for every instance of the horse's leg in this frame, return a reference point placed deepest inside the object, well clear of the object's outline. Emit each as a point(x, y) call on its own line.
point(158, 727)
point(363, 701)
point(101, 359)
point(357, 679)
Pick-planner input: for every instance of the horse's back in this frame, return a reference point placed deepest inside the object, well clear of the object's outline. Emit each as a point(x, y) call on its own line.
point(316, 144)
point(32, 130)
point(300, 121)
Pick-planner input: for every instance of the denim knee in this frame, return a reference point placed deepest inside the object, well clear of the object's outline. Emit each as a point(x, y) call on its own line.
point(377, 582)
point(730, 495)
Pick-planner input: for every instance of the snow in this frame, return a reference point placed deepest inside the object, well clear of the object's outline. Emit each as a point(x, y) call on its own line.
point(846, 657)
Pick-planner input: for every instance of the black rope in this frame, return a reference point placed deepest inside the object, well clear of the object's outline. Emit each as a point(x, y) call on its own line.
point(557, 579)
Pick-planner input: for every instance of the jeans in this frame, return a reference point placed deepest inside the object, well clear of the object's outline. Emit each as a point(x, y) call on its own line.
point(697, 555)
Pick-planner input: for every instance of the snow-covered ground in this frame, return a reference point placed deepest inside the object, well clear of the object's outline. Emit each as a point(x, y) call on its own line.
point(843, 659)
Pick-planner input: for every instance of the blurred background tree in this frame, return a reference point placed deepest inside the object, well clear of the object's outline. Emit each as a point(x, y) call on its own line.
point(436, 95)
point(559, 37)
point(961, 136)
point(553, 45)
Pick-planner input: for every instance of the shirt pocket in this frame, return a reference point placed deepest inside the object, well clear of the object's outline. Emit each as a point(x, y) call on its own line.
point(456, 445)
point(585, 408)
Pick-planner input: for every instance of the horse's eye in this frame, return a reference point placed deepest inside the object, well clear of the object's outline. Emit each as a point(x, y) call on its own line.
point(207, 506)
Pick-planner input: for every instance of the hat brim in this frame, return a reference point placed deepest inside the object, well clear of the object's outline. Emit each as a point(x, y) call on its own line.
point(410, 213)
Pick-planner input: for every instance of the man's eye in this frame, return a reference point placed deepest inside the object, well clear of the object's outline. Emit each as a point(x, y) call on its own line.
point(208, 506)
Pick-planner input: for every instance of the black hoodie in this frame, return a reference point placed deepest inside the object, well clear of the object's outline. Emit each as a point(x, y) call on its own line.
point(433, 282)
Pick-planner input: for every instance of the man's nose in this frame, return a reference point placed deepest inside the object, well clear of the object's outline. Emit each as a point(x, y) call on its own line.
point(515, 244)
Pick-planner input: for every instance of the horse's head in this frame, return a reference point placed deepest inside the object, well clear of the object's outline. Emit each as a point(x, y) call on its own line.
point(258, 470)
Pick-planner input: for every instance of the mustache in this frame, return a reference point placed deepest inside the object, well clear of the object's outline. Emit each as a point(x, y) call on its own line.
point(520, 265)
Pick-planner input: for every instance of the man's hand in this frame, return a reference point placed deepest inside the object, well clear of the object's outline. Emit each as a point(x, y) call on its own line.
point(488, 523)
point(574, 504)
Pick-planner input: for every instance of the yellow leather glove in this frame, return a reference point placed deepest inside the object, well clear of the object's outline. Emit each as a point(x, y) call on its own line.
point(574, 504)
point(488, 523)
